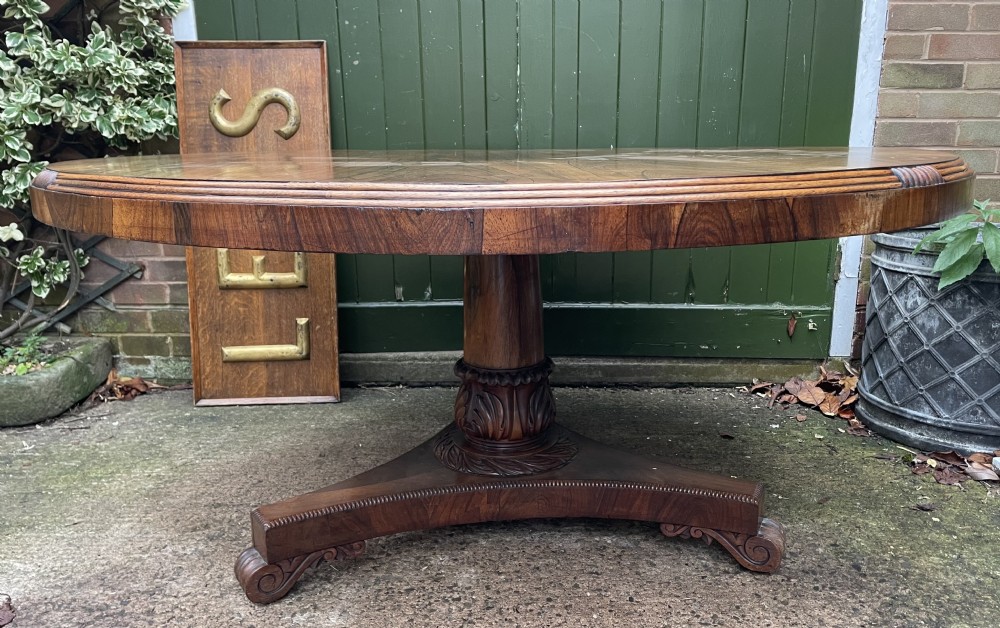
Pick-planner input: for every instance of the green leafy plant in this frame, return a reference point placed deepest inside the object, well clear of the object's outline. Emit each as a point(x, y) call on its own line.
point(964, 241)
point(78, 78)
point(29, 355)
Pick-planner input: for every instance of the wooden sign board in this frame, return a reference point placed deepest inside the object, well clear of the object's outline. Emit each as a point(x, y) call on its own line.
point(263, 323)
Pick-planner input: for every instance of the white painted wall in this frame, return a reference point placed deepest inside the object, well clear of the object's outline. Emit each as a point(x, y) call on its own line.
point(873, 20)
point(185, 28)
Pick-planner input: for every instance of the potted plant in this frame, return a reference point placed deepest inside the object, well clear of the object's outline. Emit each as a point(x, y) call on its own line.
point(78, 78)
point(930, 373)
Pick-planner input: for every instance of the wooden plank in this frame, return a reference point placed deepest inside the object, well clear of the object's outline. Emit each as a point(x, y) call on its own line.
point(376, 280)
point(683, 332)
point(501, 59)
point(812, 278)
point(222, 317)
point(763, 73)
point(597, 104)
point(361, 64)
point(245, 19)
point(670, 276)
point(639, 71)
point(748, 268)
point(215, 20)
point(798, 66)
point(277, 20)
point(447, 277)
point(404, 92)
point(780, 271)
point(535, 115)
point(631, 277)
point(347, 279)
point(565, 75)
point(721, 72)
point(441, 63)
point(829, 98)
point(473, 46)
point(680, 70)
point(318, 20)
point(569, 330)
point(411, 277)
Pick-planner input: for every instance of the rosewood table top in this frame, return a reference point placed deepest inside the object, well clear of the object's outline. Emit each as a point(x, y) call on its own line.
point(503, 457)
point(504, 202)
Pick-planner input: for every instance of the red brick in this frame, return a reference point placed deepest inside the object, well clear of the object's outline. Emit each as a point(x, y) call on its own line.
point(964, 46)
point(985, 17)
point(914, 133)
point(982, 76)
point(978, 133)
point(140, 293)
point(923, 75)
point(173, 250)
point(893, 104)
point(178, 293)
point(983, 161)
point(166, 270)
point(959, 105)
point(131, 249)
point(899, 46)
point(928, 16)
point(100, 321)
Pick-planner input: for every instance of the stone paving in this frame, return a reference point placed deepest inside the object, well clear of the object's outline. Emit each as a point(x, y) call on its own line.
point(133, 513)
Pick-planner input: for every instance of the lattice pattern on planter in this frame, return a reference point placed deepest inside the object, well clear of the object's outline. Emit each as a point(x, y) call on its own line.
point(934, 353)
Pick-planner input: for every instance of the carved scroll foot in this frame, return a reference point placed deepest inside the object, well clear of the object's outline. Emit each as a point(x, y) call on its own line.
point(757, 552)
point(264, 582)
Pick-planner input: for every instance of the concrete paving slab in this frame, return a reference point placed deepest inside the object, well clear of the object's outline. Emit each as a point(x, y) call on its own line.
point(133, 514)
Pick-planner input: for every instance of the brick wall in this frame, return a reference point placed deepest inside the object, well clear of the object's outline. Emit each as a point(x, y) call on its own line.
point(149, 323)
point(940, 88)
point(941, 83)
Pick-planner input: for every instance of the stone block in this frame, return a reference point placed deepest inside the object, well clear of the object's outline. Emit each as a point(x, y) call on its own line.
point(968, 46)
point(928, 16)
point(922, 75)
point(181, 346)
point(178, 294)
point(914, 133)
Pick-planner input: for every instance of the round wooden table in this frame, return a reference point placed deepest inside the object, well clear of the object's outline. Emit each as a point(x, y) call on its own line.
point(503, 457)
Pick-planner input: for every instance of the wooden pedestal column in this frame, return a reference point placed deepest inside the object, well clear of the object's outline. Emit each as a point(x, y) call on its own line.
point(503, 458)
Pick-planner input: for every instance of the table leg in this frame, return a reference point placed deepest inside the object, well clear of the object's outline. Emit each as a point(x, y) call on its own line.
point(503, 458)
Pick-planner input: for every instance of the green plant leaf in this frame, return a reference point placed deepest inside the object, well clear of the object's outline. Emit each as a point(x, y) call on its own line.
point(991, 242)
point(963, 266)
point(956, 249)
point(947, 229)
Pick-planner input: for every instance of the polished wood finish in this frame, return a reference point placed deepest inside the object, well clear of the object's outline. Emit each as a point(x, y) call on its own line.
point(504, 457)
point(241, 317)
point(500, 202)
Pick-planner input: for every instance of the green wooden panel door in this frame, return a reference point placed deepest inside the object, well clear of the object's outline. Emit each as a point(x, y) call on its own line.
point(584, 73)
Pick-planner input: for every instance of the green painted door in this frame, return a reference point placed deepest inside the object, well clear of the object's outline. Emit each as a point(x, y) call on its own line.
point(584, 73)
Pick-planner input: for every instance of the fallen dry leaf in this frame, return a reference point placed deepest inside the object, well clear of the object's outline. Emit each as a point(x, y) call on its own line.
point(981, 458)
point(800, 417)
point(925, 506)
point(981, 472)
point(726, 435)
point(948, 456)
point(791, 325)
point(122, 388)
point(949, 475)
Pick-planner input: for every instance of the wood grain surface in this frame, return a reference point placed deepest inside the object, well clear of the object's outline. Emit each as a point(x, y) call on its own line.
point(503, 202)
point(241, 317)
